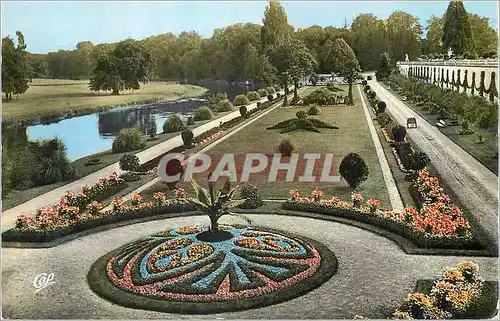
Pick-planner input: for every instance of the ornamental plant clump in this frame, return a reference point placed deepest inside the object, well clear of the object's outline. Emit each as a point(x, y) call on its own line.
point(286, 147)
point(241, 100)
point(216, 204)
point(173, 124)
point(203, 113)
point(381, 106)
point(128, 139)
point(187, 137)
point(129, 162)
point(450, 296)
point(244, 112)
point(224, 105)
point(313, 110)
point(398, 133)
point(253, 95)
point(250, 193)
point(416, 161)
point(354, 170)
point(262, 92)
point(270, 90)
point(270, 97)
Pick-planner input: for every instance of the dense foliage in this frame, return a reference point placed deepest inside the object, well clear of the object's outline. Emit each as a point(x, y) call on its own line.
point(203, 113)
point(128, 139)
point(354, 170)
point(173, 124)
point(129, 162)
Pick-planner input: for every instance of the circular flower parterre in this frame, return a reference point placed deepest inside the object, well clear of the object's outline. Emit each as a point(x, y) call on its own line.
point(175, 266)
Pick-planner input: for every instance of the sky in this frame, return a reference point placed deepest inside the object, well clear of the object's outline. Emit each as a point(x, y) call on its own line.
point(52, 25)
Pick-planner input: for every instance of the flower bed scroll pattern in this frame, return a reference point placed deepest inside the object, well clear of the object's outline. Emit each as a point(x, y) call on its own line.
point(175, 265)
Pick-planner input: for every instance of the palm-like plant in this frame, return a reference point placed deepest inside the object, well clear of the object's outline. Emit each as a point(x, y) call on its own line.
point(216, 204)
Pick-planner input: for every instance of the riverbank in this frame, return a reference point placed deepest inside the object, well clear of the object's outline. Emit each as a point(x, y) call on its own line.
point(49, 99)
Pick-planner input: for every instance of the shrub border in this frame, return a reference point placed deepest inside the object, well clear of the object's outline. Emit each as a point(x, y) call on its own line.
point(100, 284)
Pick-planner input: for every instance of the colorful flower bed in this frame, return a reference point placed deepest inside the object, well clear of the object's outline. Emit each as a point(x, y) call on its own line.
point(439, 224)
point(255, 267)
point(450, 296)
point(52, 222)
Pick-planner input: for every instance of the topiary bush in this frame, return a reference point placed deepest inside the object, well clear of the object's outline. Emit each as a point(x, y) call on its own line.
point(129, 162)
point(190, 121)
point(313, 110)
point(187, 137)
point(224, 105)
point(398, 133)
point(372, 94)
point(215, 99)
point(278, 95)
point(416, 161)
point(262, 92)
point(364, 82)
point(270, 97)
point(128, 139)
point(286, 147)
point(384, 119)
point(173, 124)
point(241, 100)
point(301, 114)
point(252, 197)
point(381, 106)
point(243, 112)
point(270, 90)
point(320, 97)
point(253, 95)
point(354, 170)
point(366, 88)
point(203, 113)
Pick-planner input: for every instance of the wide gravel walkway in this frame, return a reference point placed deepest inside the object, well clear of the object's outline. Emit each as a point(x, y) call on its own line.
point(474, 184)
point(373, 276)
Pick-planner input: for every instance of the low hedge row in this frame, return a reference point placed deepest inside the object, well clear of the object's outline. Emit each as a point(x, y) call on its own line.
point(416, 237)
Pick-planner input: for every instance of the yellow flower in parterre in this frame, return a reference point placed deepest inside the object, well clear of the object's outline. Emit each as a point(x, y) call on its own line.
point(402, 315)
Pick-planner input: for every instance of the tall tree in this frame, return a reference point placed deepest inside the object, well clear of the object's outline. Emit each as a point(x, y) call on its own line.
point(384, 68)
point(435, 34)
point(485, 38)
point(457, 33)
point(122, 69)
point(369, 43)
point(275, 27)
point(16, 69)
point(404, 33)
point(345, 64)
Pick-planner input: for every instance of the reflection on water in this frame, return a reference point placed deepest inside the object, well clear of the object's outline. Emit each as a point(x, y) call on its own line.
point(89, 134)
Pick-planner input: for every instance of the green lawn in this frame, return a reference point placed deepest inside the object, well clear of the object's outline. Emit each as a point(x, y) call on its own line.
point(484, 153)
point(352, 136)
point(55, 96)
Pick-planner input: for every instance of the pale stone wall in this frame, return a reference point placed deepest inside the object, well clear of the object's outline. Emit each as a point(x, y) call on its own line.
point(453, 68)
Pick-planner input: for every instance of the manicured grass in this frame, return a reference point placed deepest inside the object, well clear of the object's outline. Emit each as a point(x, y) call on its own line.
point(484, 153)
point(352, 136)
point(55, 96)
point(484, 307)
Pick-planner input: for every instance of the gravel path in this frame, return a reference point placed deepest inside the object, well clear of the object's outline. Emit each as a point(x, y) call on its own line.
point(392, 189)
point(374, 274)
point(474, 184)
point(52, 197)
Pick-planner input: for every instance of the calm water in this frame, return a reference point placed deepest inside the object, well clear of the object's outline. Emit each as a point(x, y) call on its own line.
point(93, 133)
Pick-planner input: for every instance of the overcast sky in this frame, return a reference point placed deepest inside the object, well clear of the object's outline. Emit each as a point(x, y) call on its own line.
point(50, 26)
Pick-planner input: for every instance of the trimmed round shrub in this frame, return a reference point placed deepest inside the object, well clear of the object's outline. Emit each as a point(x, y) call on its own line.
point(253, 95)
point(129, 162)
point(364, 82)
point(366, 88)
point(190, 121)
point(270, 97)
point(241, 100)
point(369, 78)
point(372, 94)
point(277, 87)
point(262, 92)
point(286, 147)
point(416, 161)
point(398, 133)
point(187, 137)
point(173, 124)
point(381, 106)
point(354, 170)
point(203, 113)
point(225, 105)
point(243, 112)
point(301, 114)
point(252, 197)
point(127, 140)
point(313, 110)
point(270, 90)
point(278, 95)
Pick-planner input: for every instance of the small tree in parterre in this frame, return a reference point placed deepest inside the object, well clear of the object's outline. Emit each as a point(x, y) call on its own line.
point(354, 170)
point(399, 133)
point(345, 64)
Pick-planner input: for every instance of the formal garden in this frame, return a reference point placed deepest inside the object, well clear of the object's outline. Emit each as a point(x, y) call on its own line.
point(318, 201)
